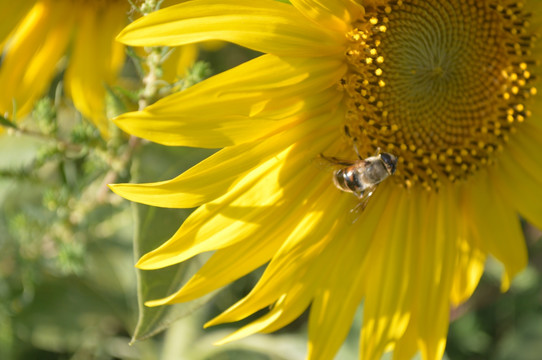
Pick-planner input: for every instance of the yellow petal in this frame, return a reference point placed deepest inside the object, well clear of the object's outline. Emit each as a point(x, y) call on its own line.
point(290, 306)
point(417, 316)
point(265, 25)
point(524, 145)
point(437, 258)
point(331, 14)
point(236, 106)
point(517, 183)
point(228, 219)
point(215, 175)
point(204, 182)
point(407, 346)
point(497, 226)
point(178, 62)
point(471, 254)
point(32, 54)
point(293, 263)
point(387, 304)
point(229, 264)
point(12, 12)
point(94, 62)
point(341, 286)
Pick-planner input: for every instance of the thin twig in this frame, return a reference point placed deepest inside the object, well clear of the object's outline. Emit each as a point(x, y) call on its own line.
point(39, 135)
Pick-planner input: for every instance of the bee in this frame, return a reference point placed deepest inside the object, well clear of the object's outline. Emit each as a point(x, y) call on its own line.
point(362, 176)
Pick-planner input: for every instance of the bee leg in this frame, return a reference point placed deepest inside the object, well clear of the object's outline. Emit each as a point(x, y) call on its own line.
point(364, 197)
point(335, 160)
point(356, 150)
point(358, 209)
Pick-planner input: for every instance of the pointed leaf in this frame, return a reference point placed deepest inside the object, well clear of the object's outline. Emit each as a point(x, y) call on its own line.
point(152, 227)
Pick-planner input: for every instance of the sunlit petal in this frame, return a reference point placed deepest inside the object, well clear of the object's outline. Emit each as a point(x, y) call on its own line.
point(264, 25)
point(212, 225)
point(339, 295)
point(216, 175)
point(332, 14)
point(236, 106)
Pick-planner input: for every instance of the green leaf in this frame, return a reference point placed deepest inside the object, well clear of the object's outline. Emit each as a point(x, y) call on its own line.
point(7, 123)
point(153, 226)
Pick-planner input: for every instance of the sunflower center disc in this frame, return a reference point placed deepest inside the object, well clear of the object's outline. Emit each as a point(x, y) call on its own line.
point(438, 83)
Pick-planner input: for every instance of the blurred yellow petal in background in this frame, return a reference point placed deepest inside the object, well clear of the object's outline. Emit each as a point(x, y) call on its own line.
point(56, 34)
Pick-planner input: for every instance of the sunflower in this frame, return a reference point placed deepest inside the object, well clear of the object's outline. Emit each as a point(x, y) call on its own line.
point(446, 86)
